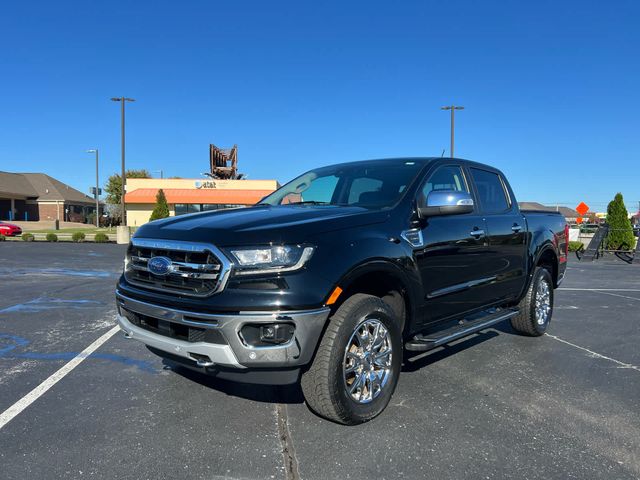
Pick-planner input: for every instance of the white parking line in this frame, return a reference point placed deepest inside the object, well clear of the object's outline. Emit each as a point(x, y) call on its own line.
point(607, 291)
point(596, 355)
point(602, 289)
point(37, 392)
point(621, 296)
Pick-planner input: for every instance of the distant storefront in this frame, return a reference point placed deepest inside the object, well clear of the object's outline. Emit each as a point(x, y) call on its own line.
point(191, 195)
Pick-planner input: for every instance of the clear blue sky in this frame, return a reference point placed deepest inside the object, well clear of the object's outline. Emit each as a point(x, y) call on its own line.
point(551, 89)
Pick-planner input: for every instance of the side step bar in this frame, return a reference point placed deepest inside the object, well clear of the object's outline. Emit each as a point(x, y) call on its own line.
point(422, 343)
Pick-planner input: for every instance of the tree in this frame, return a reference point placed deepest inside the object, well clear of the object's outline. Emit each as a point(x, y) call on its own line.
point(620, 231)
point(113, 186)
point(114, 213)
point(161, 210)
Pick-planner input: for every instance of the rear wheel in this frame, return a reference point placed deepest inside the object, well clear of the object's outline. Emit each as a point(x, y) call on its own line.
point(356, 368)
point(536, 307)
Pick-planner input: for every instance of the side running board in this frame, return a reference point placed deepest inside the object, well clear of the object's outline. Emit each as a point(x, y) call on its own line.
point(422, 343)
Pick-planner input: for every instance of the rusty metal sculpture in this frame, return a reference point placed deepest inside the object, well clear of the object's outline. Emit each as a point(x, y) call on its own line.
point(223, 163)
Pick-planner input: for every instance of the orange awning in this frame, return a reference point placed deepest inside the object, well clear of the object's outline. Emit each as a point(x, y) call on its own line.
point(186, 195)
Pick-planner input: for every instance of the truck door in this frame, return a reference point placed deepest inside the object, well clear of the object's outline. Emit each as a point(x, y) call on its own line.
point(506, 230)
point(452, 261)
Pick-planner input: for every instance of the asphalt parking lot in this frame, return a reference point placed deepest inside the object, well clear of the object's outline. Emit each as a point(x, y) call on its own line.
point(496, 405)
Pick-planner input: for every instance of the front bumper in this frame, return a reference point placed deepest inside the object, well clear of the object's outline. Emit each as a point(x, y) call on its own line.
point(230, 350)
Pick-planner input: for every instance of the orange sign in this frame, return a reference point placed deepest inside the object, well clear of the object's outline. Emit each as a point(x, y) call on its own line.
point(582, 208)
point(579, 220)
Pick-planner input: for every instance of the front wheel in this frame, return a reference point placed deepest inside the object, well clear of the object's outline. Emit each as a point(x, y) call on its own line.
point(356, 367)
point(536, 307)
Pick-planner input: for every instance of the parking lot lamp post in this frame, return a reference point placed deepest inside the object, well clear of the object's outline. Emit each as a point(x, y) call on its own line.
point(95, 150)
point(453, 108)
point(124, 180)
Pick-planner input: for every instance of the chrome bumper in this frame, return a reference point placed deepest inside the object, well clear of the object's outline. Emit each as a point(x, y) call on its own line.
point(234, 352)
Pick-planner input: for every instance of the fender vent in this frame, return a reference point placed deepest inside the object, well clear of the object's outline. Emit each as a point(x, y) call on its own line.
point(413, 237)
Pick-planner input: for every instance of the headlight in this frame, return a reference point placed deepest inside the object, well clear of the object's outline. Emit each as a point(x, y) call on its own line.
point(279, 258)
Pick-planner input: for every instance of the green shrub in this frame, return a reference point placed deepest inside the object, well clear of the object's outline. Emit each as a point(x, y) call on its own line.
point(2, 238)
point(77, 237)
point(52, 237)
point(101, 237)
point(28, 237)
point(575, 246)
point(161, 210)
point(620, 230)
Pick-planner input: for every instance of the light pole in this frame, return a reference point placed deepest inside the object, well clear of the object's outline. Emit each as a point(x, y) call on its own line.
point(95, 150)
point(159, 171)
point(124, 179)
point(453, 108)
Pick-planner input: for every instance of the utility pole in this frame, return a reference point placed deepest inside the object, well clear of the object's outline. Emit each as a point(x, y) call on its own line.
point(97, 194)
point(453, 108)
point(124, 179)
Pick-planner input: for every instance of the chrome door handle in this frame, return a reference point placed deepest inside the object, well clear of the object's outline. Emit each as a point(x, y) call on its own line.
point(477, 233)
point(516, 228)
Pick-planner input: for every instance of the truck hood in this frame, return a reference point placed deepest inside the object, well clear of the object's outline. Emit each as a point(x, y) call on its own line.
point(260, 224)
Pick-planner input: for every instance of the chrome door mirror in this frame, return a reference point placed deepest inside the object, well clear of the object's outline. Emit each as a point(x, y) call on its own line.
point(447, 202)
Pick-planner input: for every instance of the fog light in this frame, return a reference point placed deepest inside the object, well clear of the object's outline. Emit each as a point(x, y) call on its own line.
point(276, 333)
point(257, 335)
point(268, 332)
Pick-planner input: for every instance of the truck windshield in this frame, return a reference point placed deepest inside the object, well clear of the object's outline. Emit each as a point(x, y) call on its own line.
point(377, 184)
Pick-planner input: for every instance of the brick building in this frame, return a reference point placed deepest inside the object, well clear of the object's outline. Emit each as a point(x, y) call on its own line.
point(37, 196)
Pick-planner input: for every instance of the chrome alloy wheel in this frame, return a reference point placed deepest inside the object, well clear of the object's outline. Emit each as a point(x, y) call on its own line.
point(543, 302)
point(367, 361)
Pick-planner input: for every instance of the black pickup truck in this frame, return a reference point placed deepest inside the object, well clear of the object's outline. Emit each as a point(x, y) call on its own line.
point(332, 278)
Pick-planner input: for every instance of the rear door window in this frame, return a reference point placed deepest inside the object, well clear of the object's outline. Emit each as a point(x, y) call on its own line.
point(491, 191)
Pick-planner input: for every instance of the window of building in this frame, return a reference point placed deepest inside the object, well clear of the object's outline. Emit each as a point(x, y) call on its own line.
point(183, 208)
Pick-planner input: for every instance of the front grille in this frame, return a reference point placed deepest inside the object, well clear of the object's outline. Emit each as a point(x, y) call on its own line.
point(174, 330)
point(195, 269)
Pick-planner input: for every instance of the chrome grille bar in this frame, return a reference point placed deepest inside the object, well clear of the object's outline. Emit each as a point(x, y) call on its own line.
point(185, 275)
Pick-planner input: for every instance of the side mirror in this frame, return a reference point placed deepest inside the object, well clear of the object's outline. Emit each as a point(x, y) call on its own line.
point(446, 202)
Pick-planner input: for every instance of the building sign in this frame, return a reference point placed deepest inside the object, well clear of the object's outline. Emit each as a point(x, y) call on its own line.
point(205, 184)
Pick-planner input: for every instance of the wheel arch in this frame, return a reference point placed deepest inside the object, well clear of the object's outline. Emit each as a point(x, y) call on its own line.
point(382, 279)
point(548, 258)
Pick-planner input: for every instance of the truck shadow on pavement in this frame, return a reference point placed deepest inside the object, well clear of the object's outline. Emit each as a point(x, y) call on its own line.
point(292, 394)
point(258, 393)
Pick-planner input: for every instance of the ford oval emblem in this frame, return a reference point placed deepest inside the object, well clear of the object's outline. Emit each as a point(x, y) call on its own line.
point(159, 265)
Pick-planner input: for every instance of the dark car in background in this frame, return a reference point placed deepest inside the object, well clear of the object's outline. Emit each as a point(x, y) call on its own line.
point(9, 229)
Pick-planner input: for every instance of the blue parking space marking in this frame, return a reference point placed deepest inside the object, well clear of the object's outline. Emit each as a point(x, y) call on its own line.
point(10, 343)
point(40, 304)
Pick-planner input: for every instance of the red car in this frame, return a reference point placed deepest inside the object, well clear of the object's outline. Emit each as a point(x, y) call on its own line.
point(9, 229)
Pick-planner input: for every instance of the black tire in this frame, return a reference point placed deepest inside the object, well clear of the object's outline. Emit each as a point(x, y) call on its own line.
point(526, 322)
point(324, 384)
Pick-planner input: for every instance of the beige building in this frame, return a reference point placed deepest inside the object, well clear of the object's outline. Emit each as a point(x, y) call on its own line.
point(191, 195)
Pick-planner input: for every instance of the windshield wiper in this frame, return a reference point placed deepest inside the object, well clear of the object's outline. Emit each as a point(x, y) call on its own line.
point(309, 202)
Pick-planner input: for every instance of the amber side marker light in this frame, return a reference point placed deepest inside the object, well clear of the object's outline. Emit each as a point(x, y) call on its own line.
point(334, 296)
